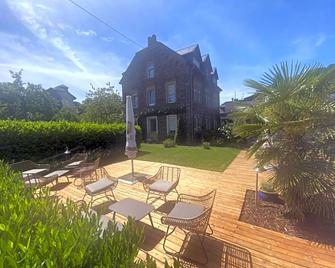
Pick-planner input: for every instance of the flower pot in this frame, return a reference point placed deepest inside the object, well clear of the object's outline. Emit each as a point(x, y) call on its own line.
point(268, 196)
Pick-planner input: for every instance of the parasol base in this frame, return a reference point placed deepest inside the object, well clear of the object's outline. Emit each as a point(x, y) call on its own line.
point(132, 178)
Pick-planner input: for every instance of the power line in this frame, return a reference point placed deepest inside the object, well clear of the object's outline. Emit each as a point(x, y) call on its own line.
point(105, 23)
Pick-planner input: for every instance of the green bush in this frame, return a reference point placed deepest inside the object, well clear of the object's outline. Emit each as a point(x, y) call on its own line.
point(39, 139)
point(219, 137)
point(42, 232)
point(206, 145)
point(168, 143)
point(267, 186)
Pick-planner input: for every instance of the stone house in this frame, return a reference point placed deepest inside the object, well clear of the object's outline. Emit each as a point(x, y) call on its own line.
point(172, 90)
point(62, 94)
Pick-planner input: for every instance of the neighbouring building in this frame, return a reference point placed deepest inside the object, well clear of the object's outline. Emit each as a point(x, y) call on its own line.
point(62, 94)
point(229, 107)
point(172, 90)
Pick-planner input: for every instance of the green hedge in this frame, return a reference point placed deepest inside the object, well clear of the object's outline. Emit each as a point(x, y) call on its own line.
point(40, 139)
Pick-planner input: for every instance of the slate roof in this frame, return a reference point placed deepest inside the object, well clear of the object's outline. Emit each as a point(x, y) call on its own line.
point(187, 50)
point(204, 57)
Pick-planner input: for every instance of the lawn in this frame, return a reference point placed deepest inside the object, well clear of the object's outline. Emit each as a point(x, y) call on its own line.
point(216, 158)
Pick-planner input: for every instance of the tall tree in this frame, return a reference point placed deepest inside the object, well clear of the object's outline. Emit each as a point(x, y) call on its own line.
point(293, 121)
point(25, 101)
point(103, 105)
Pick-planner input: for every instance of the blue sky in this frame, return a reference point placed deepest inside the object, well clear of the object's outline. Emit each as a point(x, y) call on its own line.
point(56, 43)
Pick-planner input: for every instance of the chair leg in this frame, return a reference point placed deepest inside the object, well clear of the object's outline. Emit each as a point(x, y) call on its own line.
point(165, 237)
point(152, 224)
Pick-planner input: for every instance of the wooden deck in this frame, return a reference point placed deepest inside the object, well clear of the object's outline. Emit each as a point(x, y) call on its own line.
point(252, 246)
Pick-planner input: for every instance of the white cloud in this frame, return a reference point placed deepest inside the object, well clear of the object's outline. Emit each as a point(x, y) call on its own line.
point(53, 59)
point(38, 22)
point(86, 33)
point(307, 46)
point(107, 38)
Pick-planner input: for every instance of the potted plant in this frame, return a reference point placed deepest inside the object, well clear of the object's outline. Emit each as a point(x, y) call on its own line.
point(267, 192)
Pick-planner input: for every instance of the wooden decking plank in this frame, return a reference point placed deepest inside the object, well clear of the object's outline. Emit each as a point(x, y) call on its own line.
point(267, 248)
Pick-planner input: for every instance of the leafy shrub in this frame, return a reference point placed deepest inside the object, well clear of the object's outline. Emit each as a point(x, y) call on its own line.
point(39, 139)
point(267, 186)
point(206, 145)
point(220, 136)
point(41, 231)
point(168, 143)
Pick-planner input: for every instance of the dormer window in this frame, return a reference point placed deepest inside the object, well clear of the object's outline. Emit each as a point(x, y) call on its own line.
point(150, 71)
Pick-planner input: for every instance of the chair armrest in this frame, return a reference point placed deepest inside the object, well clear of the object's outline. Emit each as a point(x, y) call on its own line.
point(189, 198)
point(86, 164)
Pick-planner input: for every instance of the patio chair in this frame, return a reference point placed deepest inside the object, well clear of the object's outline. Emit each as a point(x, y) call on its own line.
point(103, 185)
point(191, 214)
point(161, 184)
point(26, 165)
point(86, 170)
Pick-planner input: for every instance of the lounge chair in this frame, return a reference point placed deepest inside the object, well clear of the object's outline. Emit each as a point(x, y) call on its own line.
point(103, 185)
point(39, 181)
point(191, 214)
point(27, 165)
point(78, 157)
point(161, 184)
point(86, 170)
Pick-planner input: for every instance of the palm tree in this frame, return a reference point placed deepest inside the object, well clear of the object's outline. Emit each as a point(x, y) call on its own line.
point(293, 125)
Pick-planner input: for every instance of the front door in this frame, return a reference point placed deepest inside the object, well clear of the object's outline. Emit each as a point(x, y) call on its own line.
point(152, 128)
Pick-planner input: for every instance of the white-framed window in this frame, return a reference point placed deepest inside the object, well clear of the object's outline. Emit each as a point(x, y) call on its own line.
point(151, 96)
point(196, 95)
point(171, 92)
point(135, 101)
point(171, 124)
point(150, 70)
point(152, 124)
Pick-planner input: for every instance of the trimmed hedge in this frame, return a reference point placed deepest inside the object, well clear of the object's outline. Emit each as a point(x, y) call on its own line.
point(40, 139)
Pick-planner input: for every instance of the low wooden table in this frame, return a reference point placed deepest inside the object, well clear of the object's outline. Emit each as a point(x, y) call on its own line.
point(129, 207)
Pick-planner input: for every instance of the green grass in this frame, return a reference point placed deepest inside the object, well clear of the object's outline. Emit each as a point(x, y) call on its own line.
point(216, 158)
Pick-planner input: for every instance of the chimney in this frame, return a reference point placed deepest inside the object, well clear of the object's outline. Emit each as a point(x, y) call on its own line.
point(152, 40)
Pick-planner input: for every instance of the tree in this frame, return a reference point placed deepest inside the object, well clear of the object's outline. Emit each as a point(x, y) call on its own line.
point(25, 101)
point(67, 114)
point(293, 121)
point(103, 105)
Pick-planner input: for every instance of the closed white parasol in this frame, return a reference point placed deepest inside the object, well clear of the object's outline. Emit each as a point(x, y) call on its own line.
point(131, 148)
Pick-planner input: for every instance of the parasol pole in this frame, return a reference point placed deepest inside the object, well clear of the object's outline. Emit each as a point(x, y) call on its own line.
point(132, 168)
